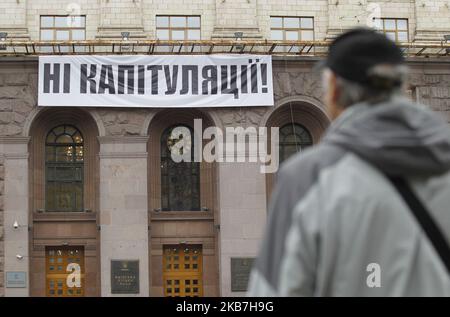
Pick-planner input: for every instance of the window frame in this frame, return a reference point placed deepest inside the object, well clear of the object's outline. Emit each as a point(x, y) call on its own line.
point(396, 30)
point(59, 28)
point(299, 29)
point(170, 29)
point(163, 142)
point(73, 165)
point(301, 144)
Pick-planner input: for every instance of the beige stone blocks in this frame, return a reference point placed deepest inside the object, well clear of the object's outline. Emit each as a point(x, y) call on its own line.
point(428, 20)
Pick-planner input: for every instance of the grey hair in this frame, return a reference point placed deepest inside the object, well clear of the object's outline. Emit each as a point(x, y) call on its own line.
point(386, 81)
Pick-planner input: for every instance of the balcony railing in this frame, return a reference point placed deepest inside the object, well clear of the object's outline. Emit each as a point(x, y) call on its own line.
point(157, 47)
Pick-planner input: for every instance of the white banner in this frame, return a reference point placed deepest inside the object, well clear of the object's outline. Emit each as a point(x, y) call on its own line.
point(156, 81)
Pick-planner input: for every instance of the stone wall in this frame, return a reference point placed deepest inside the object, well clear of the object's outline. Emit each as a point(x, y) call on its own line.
point(428, 83)
point(18, 96)
point(428, 19)
point(294, 79)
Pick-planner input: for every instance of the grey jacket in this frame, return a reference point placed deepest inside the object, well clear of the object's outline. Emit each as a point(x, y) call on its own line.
point(335, 220)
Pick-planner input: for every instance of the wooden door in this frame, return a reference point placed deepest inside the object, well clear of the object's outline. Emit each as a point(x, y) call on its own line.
point(182, 271)
point(64, 271)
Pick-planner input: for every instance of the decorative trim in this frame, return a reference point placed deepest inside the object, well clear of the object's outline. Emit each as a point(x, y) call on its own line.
point(14, 139)
point(26, 131)
point(64, 216)
point(294, 99)
point(181, 216)
point(123, 139)
point(88, 246)
point(17, 156)
point(209, 112)
point(122, 155)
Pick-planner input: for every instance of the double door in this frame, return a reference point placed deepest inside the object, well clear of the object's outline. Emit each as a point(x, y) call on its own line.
point(182, 271)
point(64, 271)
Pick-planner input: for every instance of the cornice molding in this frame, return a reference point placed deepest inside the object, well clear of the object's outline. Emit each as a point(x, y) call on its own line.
point(14, 139)
point(123, 139)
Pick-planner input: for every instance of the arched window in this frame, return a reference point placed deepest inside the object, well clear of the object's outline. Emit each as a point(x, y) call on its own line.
point(180, 181)
point(293, 138)
point(64, 163)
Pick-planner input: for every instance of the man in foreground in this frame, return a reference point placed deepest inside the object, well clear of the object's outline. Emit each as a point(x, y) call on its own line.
point(338, 225)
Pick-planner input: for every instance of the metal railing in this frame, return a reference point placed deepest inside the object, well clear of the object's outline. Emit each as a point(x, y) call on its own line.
point(151, 47)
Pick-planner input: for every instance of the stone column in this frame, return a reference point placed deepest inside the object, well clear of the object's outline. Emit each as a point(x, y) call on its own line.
point(13, 19)
point(236, 15)
point(123, 207)
point(117, 16)
point(242, 201)
point(14, 189)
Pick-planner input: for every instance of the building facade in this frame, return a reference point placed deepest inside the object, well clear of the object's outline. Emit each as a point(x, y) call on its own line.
point(94, 186)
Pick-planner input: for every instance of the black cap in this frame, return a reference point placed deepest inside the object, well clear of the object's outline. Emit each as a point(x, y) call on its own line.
point(353, 54)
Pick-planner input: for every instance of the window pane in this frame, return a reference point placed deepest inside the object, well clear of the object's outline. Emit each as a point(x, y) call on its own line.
point(276, 35)
point(291, 23)
point(180, 182)
point(64, 169)
point(402, 24)
point(307, 35)
point(193, 35)
point(50, 191)
point(391, 35)
point(276, 22)
point(162, 21)
point(177, 35)
point(193, 22)
point(64, 196)
point(389, 24)
point(293, 138)
point(69, 130)
point(291, 35)
point(46, 35)
point(178, 22)
point(64, 153)
point(46, 22)
point(64, 173)
point(307, 23)
point(62, 21)
point(78, 35)
point(79, 153)
point(64, 138)
point(76, 21)
point(77, 137)
point(402, 36)
point(62, 35)
point(49, 153)
point(50, 173)
point(288, 151)
point(59, 130)
point(162, 34)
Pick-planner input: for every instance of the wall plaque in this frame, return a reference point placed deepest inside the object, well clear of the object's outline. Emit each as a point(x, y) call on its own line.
point(16, 279)
point(240, 273)
point(124, 277)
